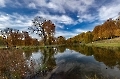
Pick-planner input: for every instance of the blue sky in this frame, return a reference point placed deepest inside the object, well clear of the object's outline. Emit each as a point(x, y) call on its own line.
point(71, 17)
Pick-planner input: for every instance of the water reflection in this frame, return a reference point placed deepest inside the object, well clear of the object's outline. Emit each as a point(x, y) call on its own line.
point(61, 49)
point(75, 62)
point(73, 65)
point(48, 59)
point(109, 57)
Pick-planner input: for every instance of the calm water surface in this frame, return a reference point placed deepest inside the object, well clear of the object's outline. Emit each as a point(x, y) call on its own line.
point(76, 62)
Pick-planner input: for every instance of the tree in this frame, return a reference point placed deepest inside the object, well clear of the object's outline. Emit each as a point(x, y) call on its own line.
point(118, 22)
point(109, 28)
point(81, 37)
point(10, 36)
point(26, 38)
point(44, 28)
point(88, 37)
point(96, 32)
point(117, 33)
point(2, 42)
point(61, 40)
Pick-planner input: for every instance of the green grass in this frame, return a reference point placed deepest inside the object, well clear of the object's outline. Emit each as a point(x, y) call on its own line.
point(106, 43)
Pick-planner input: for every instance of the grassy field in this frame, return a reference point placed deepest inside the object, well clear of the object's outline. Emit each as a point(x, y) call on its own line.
point(106, 43)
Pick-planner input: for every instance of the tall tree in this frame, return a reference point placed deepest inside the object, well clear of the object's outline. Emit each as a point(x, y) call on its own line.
point(44, 28)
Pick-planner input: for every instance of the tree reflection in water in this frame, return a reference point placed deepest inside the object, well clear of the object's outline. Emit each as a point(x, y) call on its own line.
point(109, 57)
point(18, 64)
point(44, 64)
point(57, 63)
point(48, 60)
point(12, 64)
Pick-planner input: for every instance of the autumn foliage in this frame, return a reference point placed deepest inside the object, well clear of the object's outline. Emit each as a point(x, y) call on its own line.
point(108, 30)
point(13, 37)
point(45, 29)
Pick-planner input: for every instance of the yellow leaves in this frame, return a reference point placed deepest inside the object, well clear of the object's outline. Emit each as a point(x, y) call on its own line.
point(106, 30)
point(117, 32)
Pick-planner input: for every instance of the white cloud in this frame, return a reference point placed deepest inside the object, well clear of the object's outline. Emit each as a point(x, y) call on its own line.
point(87, 2)
point(40, 2)
point(14, 3)
point(79, 5)
point(52, 6)
point(57, 19)
point(72, 5)
point(69, 34)
point(2, 3)
point(4, 18)
point(66, 19)
point(32, 5)
point(66, 34)
point(109, 11)
point(14, 21)
point(62, 5)
point(87, 17)
point(80, 30)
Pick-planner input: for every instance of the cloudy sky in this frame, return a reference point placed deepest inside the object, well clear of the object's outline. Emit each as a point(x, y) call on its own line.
point(71, 17)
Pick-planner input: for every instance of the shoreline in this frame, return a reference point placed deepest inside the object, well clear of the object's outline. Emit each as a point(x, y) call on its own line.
point(30, 47)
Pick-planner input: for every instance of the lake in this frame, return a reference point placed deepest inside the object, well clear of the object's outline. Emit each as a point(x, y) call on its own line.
point(65, 62)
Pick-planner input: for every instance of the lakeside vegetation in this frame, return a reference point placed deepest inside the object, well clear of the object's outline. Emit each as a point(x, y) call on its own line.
point(104, 35)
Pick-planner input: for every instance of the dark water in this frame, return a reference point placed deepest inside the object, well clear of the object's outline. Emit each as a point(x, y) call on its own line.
point(66, 62)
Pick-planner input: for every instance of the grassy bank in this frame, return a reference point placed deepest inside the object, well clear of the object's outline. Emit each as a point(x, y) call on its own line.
point(104, 44)
point(112, 43)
